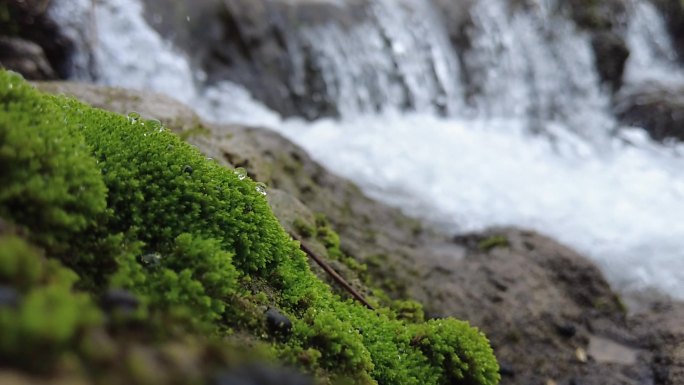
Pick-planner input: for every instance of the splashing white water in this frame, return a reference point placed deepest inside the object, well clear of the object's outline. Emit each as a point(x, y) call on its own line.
point(652, 56)
point(619, 199)
point(621, 207)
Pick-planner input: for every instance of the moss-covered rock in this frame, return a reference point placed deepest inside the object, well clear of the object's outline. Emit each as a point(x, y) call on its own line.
point(127, 204)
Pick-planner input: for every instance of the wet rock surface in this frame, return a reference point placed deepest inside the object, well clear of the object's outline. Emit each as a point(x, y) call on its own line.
point(118, 300)
point(260, 45)
point(548, 311)
point(278, 323)
point(658, 108)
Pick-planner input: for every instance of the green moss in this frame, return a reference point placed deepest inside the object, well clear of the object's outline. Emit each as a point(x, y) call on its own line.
point(493, 242)
point(127, 204)
point(303, 228)
point(198, 130)
point(50, 181)
point(328, 237)
point(44, 324)
point(458, 350)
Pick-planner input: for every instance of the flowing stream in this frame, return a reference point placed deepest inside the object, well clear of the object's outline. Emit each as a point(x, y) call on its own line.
point(536, 146)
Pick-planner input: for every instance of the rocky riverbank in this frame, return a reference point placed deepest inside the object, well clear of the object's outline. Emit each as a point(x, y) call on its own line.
point(549, 313)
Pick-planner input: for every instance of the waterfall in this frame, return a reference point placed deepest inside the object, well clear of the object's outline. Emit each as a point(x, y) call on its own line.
point(652, 56)
point(512, 129)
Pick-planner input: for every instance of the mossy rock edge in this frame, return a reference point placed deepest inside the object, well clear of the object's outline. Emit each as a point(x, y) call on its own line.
point(122, 203)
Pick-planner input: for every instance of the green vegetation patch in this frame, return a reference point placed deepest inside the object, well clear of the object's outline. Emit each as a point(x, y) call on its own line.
point(125, 204)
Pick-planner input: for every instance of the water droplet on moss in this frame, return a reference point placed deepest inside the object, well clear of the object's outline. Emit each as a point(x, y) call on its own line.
point(155, 125)
point(188, 170)
point(241, 173)
point(261, 188)
point(133, 117)
point(151, 260)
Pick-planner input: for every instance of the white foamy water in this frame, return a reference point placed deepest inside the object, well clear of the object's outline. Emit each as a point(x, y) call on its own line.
point(618, 199)
point(622, 207)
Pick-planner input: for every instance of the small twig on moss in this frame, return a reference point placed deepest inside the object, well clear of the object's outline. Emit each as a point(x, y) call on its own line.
point(335, 276)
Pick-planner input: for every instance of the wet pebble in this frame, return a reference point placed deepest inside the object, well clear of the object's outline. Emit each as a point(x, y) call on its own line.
point(261, 374)
point(277, 322)
point(119, 300)
point(9, 297)
point(567, 330)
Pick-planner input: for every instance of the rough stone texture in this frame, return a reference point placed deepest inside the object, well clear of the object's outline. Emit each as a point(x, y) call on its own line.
point(549, 313)
point(25, 57)
point(148, 104)
point(526, 295)
point(658, 108)
point(661, 328)
point(255, 43)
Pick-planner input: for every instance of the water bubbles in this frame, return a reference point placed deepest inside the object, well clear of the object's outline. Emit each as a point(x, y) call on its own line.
point(155, 125)
point(261, 188)
point(133, 117)
point(188, 169)
point(151, 259)
point(241, 173)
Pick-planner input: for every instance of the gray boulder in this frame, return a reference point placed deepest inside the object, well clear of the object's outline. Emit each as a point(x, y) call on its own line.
point(257, 43)
point(25, 57)
point(656, 107)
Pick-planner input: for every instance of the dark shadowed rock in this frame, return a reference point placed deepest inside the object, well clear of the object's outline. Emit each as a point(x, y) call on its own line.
point(261, 374)
point(656, 107)
point(119, 300)
point(611, 53)
point(26, 58)
point(28, 21)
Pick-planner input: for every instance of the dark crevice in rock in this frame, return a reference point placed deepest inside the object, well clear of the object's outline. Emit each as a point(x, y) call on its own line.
point(31, 38)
